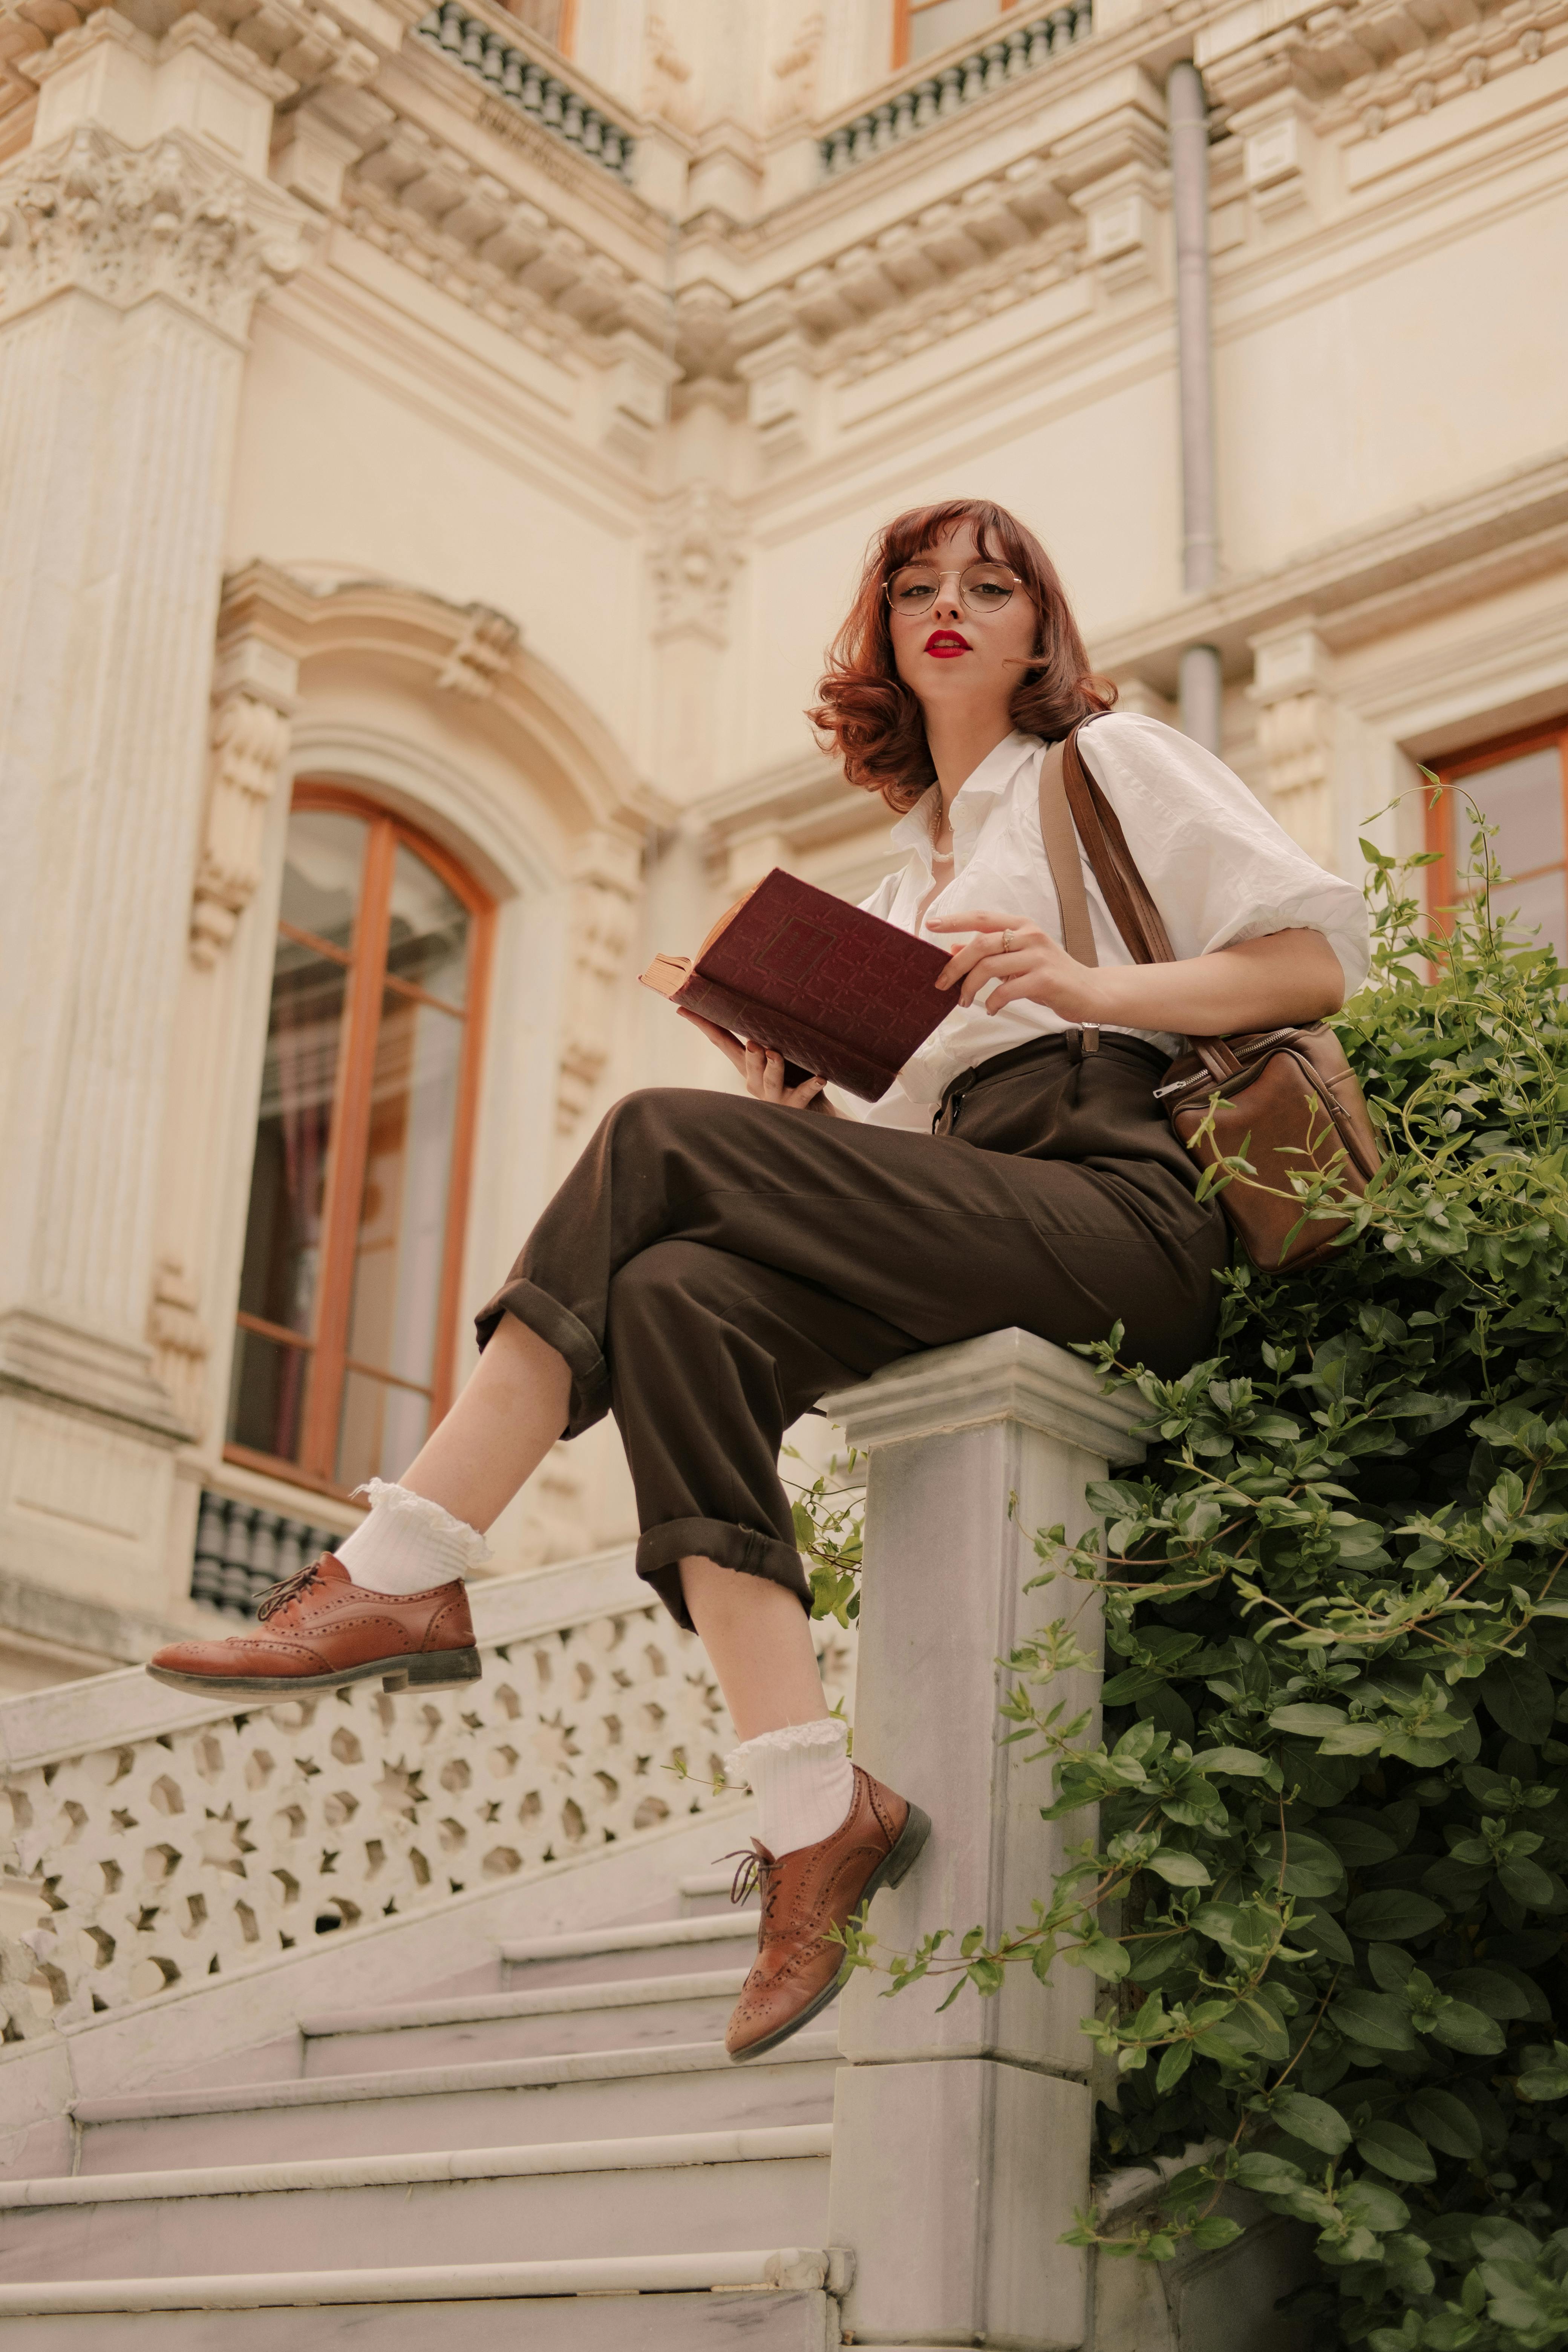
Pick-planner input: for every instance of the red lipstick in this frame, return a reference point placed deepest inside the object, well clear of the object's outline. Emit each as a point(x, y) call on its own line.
point(943, 644)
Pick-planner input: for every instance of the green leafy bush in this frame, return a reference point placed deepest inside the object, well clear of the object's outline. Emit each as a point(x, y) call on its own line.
point(1327, 1898)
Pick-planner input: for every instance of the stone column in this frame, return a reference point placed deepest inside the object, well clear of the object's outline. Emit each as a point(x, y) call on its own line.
point(135, 233)
point(961, 2139)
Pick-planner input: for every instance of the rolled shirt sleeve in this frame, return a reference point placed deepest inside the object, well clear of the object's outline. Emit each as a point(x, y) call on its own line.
point(1217, 866)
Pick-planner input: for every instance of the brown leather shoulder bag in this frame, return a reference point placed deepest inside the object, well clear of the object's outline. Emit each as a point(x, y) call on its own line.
point(1286, 1100)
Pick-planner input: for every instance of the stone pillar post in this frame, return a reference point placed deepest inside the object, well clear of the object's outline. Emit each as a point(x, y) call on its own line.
point(961, 2139)
point(135, 233)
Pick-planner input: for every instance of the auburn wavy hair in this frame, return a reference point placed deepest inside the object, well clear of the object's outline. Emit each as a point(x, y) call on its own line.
point(873, 721)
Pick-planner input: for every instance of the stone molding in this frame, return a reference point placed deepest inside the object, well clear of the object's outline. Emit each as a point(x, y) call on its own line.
point(43, 1356)
point(1006, 1376)
point(566, 748)
point(126, 223)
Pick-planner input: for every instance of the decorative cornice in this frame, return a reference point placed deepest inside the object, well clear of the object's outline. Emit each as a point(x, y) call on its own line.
point(1005, 1376)
point(126, 223)
point(1367, 584)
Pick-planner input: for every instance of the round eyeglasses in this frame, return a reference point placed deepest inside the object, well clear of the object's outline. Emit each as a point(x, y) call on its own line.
point(981, 587)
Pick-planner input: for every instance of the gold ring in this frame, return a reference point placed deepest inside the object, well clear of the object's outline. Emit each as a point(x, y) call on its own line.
point(1006, 942)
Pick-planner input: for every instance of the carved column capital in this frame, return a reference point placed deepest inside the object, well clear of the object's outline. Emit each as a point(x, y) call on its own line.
point(696, 552)
point(125, 222)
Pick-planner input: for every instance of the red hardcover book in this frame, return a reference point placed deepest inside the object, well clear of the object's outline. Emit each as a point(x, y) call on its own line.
point(840, 993)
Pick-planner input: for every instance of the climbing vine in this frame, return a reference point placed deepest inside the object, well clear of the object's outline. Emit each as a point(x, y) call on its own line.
point(1327, 1887)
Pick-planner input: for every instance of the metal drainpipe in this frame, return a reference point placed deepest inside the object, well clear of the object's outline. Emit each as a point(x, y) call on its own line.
point(1186, 106)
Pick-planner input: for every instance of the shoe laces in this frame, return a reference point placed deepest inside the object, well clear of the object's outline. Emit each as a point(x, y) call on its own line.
point(753, 1868)
point(278, 1596)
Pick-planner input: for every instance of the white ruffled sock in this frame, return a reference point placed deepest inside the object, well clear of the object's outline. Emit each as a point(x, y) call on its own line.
point(405, 1543)
point(802, 1778)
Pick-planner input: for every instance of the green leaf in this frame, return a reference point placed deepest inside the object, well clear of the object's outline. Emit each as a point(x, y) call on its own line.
point(1314, 1925)
point(1173, 2064)
point(1458, 2026)
point(1315, 1720)
point(1396, 2151)
point(1446, 2124)
point(1266, 2175)
point(1215, 2229)
point(1492, 1993)
point(1313, 2121)
point(1244, 1762)
point(1310, 1865)
point(1393, 1915)
point(1527, 1883)
point(1520, 1698)
point(1177, 1868)
point(1379, 2020)
point(1379, 2208)
point(1357, 1843)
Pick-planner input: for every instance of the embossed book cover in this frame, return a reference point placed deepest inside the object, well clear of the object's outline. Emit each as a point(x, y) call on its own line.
point(835, 991)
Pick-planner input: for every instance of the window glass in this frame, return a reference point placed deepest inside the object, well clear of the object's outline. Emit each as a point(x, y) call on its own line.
point(428, 941)
point(400, 1244)
point(293, 1139)
point(321, 872)
point(1522, 797)
point(932, 23)
point(339, 1356)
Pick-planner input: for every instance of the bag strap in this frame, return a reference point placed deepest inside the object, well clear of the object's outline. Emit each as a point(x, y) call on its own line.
point(1068, 790)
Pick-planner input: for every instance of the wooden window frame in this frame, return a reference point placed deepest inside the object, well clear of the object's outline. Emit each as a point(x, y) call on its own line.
point(369, 980)
point(903, 10)
point(1444, 893)
point(567, 42)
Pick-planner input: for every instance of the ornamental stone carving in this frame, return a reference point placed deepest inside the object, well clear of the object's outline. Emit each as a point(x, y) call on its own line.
point(480, 653)
point(124, 223)
point(250, 742)
point(695, 555)
point(1292, 671)
point(159, 1853)
point(599, 930)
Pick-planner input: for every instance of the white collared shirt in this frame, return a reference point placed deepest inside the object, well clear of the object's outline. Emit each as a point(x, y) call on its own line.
point(1216, 865)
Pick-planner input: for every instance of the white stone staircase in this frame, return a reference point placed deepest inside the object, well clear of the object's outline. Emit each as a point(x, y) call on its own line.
point(553, 2149)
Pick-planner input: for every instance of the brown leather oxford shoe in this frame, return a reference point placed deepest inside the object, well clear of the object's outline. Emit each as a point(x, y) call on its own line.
point(321, 1630)
point(805, 1894)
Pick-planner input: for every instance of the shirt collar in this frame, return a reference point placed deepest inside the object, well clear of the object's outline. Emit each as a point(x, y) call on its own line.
point(990, 779)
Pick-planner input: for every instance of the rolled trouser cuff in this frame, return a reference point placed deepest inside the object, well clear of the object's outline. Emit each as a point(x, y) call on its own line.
point(570, 1338)
point(661, 1549)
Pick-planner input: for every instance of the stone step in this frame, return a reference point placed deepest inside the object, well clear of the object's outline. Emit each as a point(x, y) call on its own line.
point(634, 2014)
point(510, 2103)
point(612, 1954)
point(559, 2204)
point(780, 2301)
point(704, 1894)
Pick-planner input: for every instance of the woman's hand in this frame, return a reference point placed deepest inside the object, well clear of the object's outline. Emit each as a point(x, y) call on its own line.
point(1025, 963)
point(1268, 983)
point(763, 1071)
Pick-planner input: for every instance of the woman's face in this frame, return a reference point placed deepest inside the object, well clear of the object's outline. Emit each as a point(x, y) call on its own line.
point(952, 657)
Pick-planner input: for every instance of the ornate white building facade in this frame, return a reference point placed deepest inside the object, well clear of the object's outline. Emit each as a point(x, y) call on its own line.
point(435, 448)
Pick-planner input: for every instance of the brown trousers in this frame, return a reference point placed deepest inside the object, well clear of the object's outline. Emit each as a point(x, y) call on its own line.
point(713, 1265)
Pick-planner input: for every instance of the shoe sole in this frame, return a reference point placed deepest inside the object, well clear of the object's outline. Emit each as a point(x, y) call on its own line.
point(427, 1670)
point(896, 1864)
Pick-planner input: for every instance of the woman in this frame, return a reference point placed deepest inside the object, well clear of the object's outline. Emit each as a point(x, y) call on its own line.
point(715, 1263)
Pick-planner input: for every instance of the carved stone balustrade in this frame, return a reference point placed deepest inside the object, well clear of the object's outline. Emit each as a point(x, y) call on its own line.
point(149, 1838)
point(952, 86)
point(961, 2140)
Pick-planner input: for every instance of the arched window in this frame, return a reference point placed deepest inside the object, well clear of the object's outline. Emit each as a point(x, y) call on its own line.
point(1520, 784)
point(348, 1298)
